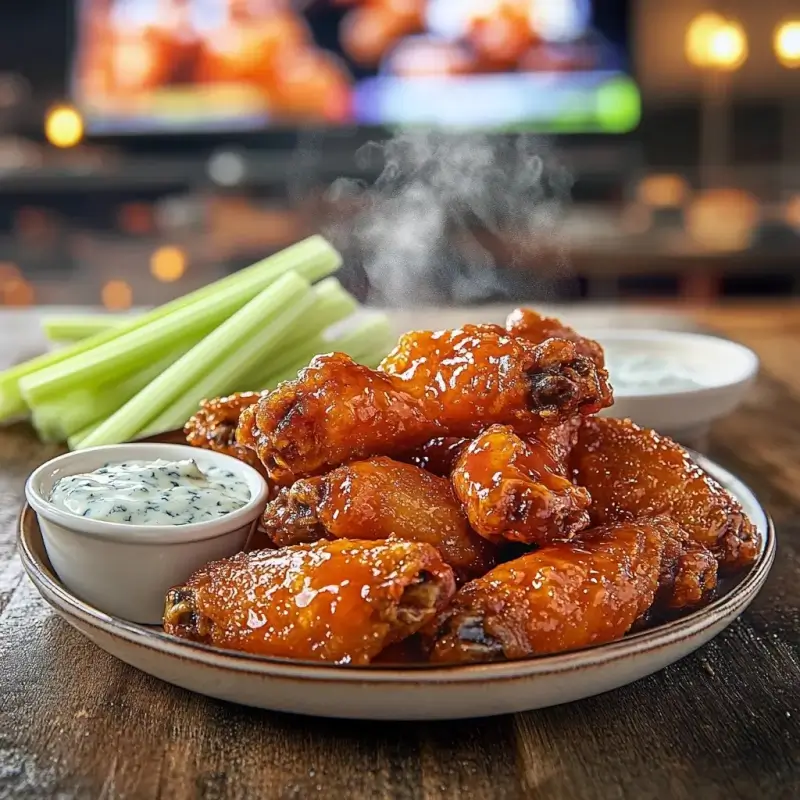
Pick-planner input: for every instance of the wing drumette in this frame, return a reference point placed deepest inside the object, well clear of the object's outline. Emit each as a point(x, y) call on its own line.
point(456, 383)
point(377, 499)
point(561, 597)
point(517, 490)
point(341, 601)
point(630, 471)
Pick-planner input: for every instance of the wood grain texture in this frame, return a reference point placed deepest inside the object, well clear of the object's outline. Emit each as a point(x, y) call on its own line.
point(722, 723)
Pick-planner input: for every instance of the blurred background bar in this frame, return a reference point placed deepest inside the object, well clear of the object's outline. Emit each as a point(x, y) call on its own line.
point(540, 150)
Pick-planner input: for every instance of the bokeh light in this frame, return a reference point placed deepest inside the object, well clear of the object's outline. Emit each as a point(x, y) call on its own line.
point(666, 190)
point(728, 46)
point(8, 272)
point(699, 35)
point(18, 292)
point(117, 295)
point(787, 43)
point(63, 126)
point(167, 264)
point(716, 43)
point(723, 219)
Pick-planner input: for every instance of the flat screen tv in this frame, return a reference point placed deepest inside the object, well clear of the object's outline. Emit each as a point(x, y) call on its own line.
point(157, 66)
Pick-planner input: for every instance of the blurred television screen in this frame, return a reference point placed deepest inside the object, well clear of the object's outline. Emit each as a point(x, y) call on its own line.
point(154, 66)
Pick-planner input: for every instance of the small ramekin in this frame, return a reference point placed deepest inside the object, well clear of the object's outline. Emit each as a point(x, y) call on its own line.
point(126, 570)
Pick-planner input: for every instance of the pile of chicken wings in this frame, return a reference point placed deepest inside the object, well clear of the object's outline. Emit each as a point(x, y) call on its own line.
point(462, 503)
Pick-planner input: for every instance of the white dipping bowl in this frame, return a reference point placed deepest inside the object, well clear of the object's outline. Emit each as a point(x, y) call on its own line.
point(724, 371)
point(126, 570)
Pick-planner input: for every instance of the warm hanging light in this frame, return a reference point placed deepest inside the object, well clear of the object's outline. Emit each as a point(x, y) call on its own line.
point(712, 41)
point(63, 126)
point(698, 37)
point(787, 43)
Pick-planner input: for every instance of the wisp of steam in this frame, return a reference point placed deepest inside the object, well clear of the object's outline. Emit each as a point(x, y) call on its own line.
point(454, 217)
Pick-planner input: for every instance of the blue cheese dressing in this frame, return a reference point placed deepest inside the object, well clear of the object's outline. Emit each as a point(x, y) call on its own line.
point(152, 493)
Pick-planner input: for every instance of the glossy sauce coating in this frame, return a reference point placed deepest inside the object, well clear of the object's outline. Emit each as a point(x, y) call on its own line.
point(526, 323)
point(437, 455)
point(562, 597)
point(630, 472)
point(340, 602)
point(377, 499)
point(516, 490)
point(335, 411)
point(213, 427)
point(451, 383)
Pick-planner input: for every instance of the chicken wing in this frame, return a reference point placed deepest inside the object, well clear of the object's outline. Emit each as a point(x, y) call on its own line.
point(335, 411)
point(516, 490)
point(562, 597)
point(479, 372)
point(340, 602)
point(338, 411)
point(526, 323)
point(377, 499)
point(630, 471)
point(213, 427)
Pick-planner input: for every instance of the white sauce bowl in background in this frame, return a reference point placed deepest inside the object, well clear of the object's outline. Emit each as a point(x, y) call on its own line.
point(685, 380)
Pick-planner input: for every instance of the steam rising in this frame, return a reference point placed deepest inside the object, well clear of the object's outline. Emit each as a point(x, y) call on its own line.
point(426, 231)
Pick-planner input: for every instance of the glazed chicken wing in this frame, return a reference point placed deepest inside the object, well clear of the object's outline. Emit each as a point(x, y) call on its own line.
point(335, 411)
point(630, 471)
point(562, 597)
point(516, 490)
point(377, 499)
point(213, 427)
point(478, 372)
point(528, 324)
point(340, 602)
point(457, 383)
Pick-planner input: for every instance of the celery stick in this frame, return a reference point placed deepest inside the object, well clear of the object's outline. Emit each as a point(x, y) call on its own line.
point(275, 309)
point(59, 419)
point(372, 333)
point(73, 329)
point(312, 258)
point(328, 303)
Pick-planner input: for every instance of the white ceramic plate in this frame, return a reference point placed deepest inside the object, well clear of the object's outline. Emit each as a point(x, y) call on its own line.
point(422, 692)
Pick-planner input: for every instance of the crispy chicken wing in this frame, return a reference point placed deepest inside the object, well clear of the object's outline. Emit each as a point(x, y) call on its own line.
point(341, 601)
point(377, 499)
point(478, 372)
point(213, 427)
point(562, 597)
point(335, 411)
point(457, 383)
point(526, 323)
point(517, 490)
point(630, 471)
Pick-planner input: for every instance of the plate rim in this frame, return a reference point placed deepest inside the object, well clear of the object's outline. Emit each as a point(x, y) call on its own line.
point(647, 641)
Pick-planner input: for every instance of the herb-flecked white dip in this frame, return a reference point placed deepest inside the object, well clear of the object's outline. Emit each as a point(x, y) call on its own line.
point(152, 493)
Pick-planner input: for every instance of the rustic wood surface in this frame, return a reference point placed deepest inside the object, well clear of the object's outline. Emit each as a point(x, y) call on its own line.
point(722, 723)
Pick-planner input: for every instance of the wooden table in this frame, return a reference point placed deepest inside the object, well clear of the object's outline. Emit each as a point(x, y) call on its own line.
point(724, 722)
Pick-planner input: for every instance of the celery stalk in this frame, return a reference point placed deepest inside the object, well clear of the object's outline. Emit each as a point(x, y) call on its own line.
point(73, 329)
point(367, 343)
point(329, 303)
point(372, 333)
point(267, 318)
point(59, 419)
point(312, 258)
